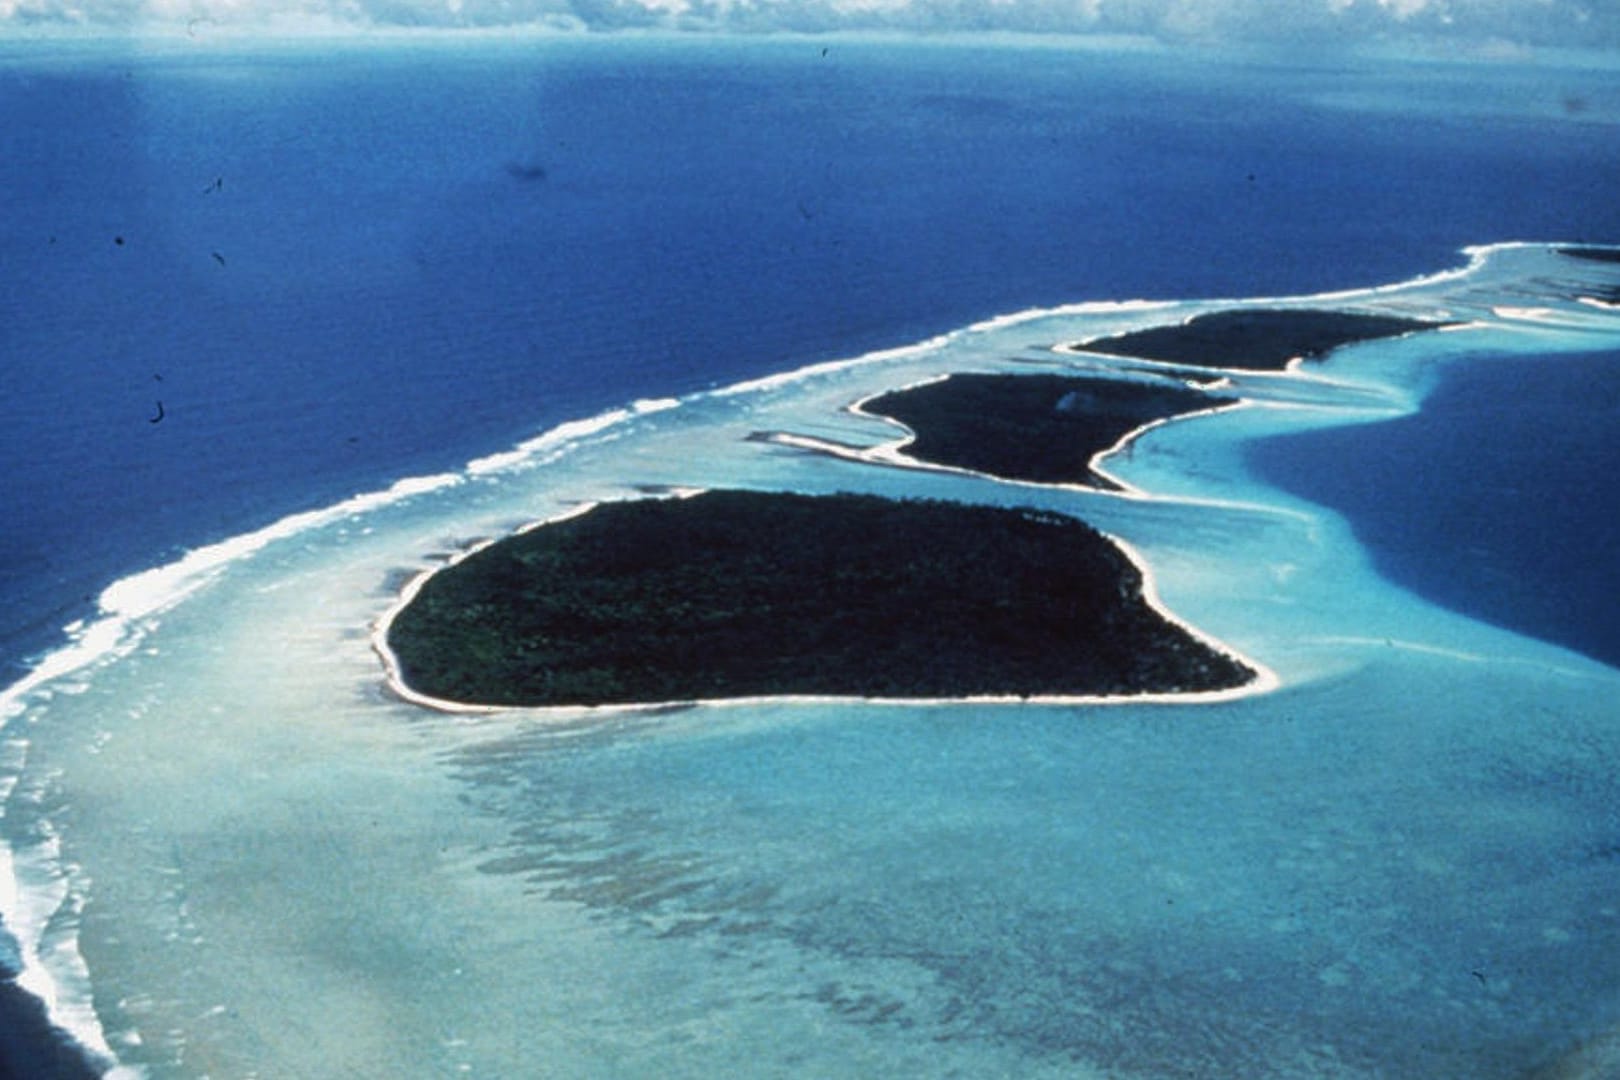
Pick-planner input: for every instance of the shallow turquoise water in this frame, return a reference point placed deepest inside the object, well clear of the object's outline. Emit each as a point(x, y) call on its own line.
point(236, 853)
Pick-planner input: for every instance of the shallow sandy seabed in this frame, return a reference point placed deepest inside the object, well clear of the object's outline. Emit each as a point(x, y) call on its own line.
point(1400, 861)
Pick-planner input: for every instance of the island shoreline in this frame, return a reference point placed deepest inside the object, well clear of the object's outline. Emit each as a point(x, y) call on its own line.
point(1263, 678)
point(893, 452)
point(1107, 399)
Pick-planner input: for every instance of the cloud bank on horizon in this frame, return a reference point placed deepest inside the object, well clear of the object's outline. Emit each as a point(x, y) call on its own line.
point(1498, 23)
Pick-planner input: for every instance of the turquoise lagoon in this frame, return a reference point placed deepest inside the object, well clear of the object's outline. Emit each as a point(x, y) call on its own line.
point(234, 851)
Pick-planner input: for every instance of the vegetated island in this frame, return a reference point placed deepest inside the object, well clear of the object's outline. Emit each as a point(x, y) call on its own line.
point(1041, 428)
point(1263, 339)
point(731, 594)
point(1592, 254)
point(1609, 294)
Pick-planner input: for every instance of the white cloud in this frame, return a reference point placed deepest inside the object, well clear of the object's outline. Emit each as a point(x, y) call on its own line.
point(1405, 9)
point(1581, 23)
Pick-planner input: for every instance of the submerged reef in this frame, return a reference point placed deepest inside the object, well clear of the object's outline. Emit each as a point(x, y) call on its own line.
point(1257, 340)
point(731, 594)
point(1041, 428)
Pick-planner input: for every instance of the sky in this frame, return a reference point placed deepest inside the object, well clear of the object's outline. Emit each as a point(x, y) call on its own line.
point(1504, 24)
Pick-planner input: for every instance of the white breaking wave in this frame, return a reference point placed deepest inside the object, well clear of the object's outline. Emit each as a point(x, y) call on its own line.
point(38, 895)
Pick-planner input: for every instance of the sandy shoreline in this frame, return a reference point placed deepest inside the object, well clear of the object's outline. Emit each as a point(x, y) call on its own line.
point(1292, 334)
point(1284, 326)
point(1264, 681)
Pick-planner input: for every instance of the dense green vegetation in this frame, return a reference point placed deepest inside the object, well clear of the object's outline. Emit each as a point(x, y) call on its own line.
point(1593, 254)
point(733, 594)
point(1044, 428)
point(1609, 294)
point(1255, 340)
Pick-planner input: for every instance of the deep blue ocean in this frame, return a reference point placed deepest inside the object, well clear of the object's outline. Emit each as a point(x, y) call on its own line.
point(1497, 500)
point(330, 267)
point(242, 280)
